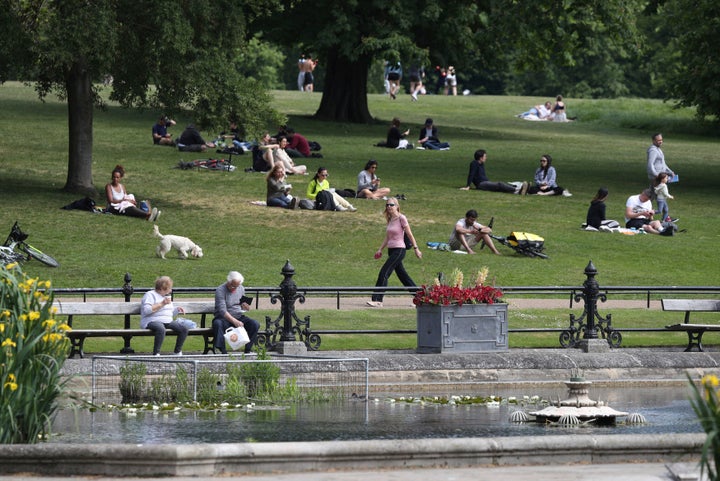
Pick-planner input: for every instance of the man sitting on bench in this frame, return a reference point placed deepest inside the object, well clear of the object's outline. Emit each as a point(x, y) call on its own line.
point(230, 307)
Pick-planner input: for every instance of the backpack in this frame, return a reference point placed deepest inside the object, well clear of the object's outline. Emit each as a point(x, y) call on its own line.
point(669, 228)
point(324, 201)
point(306, 204)
point(314, 146)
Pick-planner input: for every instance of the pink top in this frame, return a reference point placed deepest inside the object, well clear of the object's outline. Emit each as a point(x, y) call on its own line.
point(396, 232)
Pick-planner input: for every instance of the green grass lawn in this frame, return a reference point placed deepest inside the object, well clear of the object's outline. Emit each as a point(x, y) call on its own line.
point(606, 147)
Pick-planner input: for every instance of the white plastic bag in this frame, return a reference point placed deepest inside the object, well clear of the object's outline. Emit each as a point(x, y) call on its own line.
point(185, 322)
point(236, 337)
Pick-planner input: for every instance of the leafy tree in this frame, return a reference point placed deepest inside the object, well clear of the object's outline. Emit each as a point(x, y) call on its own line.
point(692, 59)
point(350, 36)
point(162, 54)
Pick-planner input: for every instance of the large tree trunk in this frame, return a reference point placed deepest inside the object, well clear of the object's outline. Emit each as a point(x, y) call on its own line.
point(344, 96)
point(80, 127)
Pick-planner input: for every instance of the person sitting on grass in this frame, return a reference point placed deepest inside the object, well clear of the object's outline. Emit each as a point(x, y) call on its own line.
point(429, 137)
point(278, 192)
point(190, 140)
point(546, 180)
point(478, 178)
point(160, 134)
point(368, 186)
point(639, 213)
point(468, 232)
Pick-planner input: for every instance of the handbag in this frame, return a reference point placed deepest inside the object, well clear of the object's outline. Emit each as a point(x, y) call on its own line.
point(236, 337)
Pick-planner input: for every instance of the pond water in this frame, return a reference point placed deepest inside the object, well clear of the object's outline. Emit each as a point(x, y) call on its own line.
point(667, 410)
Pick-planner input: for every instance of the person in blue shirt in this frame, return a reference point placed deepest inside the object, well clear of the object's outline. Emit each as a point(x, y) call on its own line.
point(160, 134)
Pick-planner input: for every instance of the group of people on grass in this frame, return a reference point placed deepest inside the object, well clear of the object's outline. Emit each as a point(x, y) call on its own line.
point(639, 212)
point(158, 313)
point(428, 138)
point(549, 111)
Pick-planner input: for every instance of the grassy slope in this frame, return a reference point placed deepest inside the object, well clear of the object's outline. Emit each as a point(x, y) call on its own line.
point(606, 147)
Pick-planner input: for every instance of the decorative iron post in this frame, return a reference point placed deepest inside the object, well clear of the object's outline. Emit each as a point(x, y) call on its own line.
point(588, 330)
point(127, 291)
point(276, 333)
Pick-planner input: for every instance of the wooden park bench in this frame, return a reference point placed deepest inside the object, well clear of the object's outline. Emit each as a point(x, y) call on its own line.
point(694, 331)
point(77, 336)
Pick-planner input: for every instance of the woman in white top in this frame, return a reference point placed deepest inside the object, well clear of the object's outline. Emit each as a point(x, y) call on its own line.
point(280, 155)
point(157, 313)
point(119, 202)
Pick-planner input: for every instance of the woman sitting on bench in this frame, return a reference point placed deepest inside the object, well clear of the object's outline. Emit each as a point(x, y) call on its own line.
point(157, 314)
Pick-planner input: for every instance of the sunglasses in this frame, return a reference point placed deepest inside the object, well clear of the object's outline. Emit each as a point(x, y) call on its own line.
point(389, 205)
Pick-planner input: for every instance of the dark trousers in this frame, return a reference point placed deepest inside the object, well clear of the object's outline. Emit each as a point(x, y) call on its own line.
point(393, 263)
point(220, 325)
point(159, 329)
point(496, 187)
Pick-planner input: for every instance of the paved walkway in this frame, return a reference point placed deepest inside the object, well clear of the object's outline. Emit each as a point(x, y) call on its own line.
point(595, 472)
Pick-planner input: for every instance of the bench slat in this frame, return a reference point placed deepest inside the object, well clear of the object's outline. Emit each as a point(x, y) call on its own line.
point(693, 327)
point(122, 308)
point(699, 305)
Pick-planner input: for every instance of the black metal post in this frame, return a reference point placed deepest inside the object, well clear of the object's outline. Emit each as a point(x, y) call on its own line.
point(287, 332)
point(288, 291)
point(127, 291)
point(589, 330)
point(590, 294)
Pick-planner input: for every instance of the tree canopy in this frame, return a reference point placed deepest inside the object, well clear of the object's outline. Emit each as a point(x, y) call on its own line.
point(531, 36)
point(160, 54)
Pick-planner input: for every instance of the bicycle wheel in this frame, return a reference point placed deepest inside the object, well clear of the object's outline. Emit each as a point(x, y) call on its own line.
point(34, 253)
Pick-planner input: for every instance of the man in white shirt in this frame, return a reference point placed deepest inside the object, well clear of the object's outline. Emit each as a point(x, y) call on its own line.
point(639, 213)
point(468, 232)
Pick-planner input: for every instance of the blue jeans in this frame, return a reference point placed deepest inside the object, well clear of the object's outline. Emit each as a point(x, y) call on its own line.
point(283, 202)
point(220, 325)
point(159, 329)
point(435, 145)
point(393, 263)
point(663, 209)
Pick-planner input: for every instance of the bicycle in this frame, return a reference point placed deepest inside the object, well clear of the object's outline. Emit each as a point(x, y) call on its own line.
point(15, 249)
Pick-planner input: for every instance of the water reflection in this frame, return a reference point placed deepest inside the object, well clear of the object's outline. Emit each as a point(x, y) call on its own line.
point(666, 409)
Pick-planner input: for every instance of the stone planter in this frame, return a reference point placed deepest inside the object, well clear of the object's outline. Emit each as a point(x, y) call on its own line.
point(466, 328)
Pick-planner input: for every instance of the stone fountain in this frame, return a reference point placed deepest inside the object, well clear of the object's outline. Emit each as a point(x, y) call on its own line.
point(578, 408)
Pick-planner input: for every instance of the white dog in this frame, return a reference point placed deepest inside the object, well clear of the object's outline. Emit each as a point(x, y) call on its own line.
point(181, 244)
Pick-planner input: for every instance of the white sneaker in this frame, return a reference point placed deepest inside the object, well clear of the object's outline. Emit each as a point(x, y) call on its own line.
point(153, 214)
point(179, 353)
point(340, 208)
point(374, 304)
point(352, 208)
point(420, 147)
point(414, 97)
point(158, 354)
point(566, 193)
point(605, 228)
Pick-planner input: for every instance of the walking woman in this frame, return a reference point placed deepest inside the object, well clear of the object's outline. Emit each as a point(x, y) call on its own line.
point(397, 229)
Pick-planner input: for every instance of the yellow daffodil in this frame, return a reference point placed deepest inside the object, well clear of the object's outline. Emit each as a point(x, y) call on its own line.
point(34, 315)
point(8, 342)
point(49, 323)
point(11, 385)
